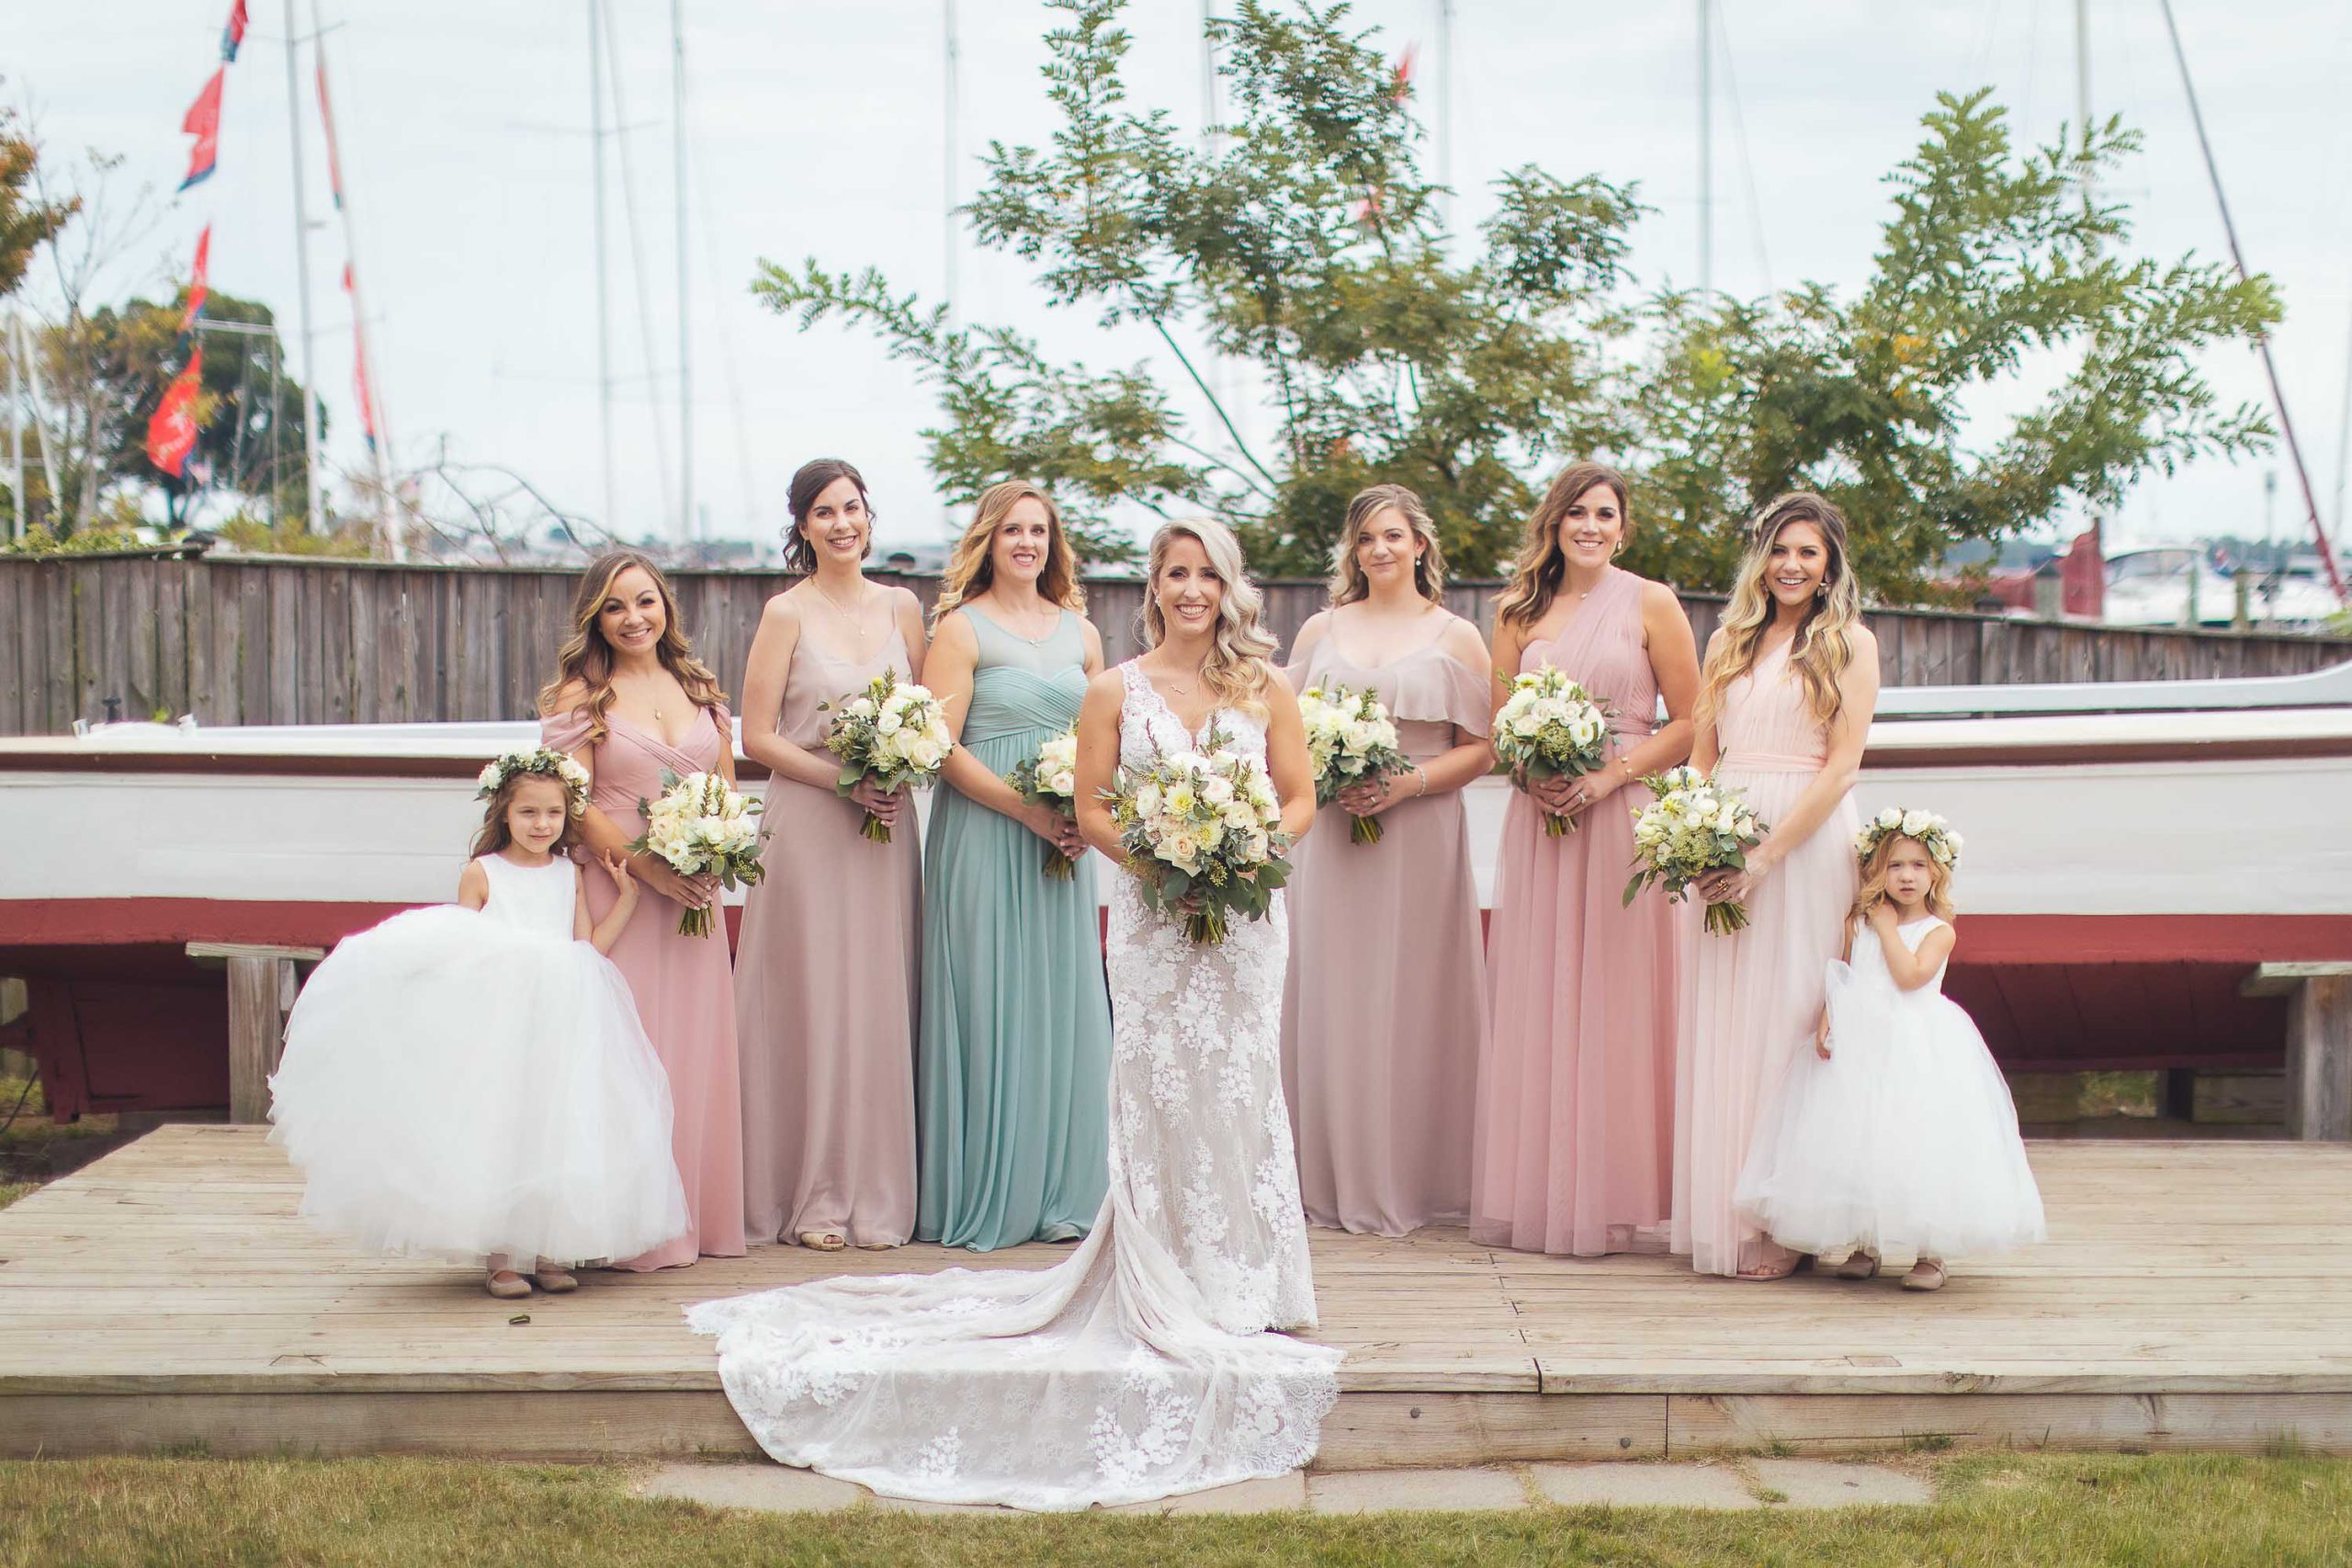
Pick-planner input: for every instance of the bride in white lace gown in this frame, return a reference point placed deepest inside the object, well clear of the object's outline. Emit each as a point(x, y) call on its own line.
point(1139, 1367)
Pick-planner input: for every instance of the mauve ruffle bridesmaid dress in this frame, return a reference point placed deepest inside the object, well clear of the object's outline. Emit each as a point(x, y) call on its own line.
point(1383, 1012)
point(1576, 1097)
point(1752, 999)
point(684, 997)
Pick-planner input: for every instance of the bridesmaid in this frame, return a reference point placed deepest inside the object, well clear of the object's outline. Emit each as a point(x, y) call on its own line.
point(1784, 708)
point(1575, 1098)
point(1014, 1075)
point(1384, 1017)
point(825, 983)
point(630, 699)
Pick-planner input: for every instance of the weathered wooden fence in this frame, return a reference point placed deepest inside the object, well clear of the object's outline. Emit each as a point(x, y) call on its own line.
point(272, 642)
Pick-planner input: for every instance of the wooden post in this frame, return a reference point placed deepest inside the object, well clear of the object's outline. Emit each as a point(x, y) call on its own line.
point(2319, 1044)
point(262, 987)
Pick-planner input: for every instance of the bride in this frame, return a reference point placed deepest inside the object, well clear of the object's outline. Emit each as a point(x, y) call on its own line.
point(1139, 1367)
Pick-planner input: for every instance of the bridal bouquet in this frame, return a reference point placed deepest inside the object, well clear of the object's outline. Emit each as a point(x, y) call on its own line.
point(696, 826)
point(1694, 826)
point(1211, 825)
point(1351, 740)
point(1050, 778)
point(895, 733)
point(1551, 728)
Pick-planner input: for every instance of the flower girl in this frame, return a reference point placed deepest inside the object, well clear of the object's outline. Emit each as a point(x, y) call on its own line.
point(1897, 1130)
point(472, 1081)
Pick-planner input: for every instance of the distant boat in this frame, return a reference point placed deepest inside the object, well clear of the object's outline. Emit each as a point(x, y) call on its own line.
point(2174, 585)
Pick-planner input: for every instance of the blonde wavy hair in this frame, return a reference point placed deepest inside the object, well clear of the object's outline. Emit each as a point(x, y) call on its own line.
point(1542, 565)
point(1236, 670)
point(1348, 580)
point(971, 566)
point(1872, 891)
point(587, 658)
point(1824, 645)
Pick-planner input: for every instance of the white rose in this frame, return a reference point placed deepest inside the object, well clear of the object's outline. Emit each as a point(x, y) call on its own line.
point(1915, 823)
point(1216, 790)
point(1063, 783)
point(1891, 817)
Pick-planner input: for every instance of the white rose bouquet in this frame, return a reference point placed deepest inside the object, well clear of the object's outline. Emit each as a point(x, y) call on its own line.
point(1551, 728)
point(895, 733)
point(1694, 826)
point(1204, 832)
point(1351, 740)
point(699, 826)
point(1050, 779)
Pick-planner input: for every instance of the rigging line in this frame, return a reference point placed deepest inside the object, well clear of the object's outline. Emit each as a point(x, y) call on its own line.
point(637, 261)
point(702, 188)
point(1747, 164)
point(2262, 339)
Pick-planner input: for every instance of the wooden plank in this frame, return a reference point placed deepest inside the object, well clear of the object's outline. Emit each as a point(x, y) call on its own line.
point(337, 676)
point(16, 692)
point(2243, 1421)
point(260, 988)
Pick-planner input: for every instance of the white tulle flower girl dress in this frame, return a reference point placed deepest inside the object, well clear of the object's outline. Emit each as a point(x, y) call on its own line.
point(465, 1084)
point(1905, 1138)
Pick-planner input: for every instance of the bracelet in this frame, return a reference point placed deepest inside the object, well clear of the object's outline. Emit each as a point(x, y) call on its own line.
point(1419, 773)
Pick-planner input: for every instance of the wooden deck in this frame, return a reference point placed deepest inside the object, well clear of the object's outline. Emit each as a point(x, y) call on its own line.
point(2193, 1295)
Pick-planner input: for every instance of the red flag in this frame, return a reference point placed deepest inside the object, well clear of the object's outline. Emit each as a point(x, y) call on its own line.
point(199, 288)
point(235, 33)
point(203, 122)
point(326, 119)
point(171, 433)
point(359, 377)
point(1401, 85)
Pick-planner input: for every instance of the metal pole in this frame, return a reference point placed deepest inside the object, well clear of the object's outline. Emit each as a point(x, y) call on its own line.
point(604, 287)
point(33, 396)
point(947, 175)
point(1706, 147)
point(686, 364)
point(311, 402)
point(16, 522)
point(2262, 342)
point(1444, 95)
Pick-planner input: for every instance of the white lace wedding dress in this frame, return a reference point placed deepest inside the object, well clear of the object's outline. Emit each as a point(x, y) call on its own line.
point(1137, 1368)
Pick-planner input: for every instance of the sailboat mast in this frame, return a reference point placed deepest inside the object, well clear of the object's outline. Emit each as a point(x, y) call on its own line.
point(1706, 147)
point(604, 278)
point(311, 404)
point(686, 529)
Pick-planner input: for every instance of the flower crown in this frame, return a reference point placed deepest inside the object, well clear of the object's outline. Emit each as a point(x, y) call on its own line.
point(536, 759)
point(1940, 837)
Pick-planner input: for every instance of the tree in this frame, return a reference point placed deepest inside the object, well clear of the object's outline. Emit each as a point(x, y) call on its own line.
point(1304, 244)
point(28, 220)
point(1987, 259)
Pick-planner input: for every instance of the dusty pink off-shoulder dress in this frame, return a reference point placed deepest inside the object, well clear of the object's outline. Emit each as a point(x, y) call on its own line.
point(683, 985)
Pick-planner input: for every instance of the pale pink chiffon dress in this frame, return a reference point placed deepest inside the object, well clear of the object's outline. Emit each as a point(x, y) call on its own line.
point(1384, 1013)
point(1575, 1096)
point(684, 996)
point(1752, 999)
point(827, 973)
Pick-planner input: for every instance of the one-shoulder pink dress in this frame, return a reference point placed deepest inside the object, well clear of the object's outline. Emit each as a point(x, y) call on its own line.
point(1752, 999)
point(826, 987)
point(1575, 1098)
point(684, 992)
point(1384, 1014)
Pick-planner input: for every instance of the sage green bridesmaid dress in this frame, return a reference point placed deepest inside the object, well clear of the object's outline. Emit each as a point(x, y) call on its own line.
point(1013, 1076)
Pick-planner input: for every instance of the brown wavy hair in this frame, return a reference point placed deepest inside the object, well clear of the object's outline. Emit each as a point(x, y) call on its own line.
point(1542, 565)
point(1824, 645)
point(1236, 667)
point(971, 568)
point(587, 658)
point(1348, 581)
point(809, 481)
point(494, 835)
point(1874, 889)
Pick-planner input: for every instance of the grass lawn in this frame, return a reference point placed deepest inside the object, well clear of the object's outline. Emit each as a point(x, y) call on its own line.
point(33, 1148)
point(1997, 1509)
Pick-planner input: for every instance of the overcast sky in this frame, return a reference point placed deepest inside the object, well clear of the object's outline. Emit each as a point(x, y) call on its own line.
point(818, 128)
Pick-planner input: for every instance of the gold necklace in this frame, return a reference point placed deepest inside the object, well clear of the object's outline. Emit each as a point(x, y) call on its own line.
point(847, 612)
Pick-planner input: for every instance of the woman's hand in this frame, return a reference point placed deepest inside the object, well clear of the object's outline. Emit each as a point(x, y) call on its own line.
point(694, 892)
point(1370, 797)
point(1821, 1038)
point(1729, 887)
point(1549, 791)
point(1584, 793)
point(1057, 829)
point(881, 803)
